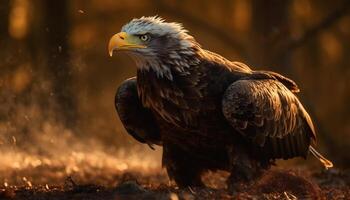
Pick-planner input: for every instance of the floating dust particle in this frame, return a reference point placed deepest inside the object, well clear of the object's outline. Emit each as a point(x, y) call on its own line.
point(81, 11)
point(6, 184)
point(47, 187)
point(14, 140)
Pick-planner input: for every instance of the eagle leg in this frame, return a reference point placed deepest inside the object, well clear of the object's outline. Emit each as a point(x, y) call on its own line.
point(244, 170)
point(181, 167)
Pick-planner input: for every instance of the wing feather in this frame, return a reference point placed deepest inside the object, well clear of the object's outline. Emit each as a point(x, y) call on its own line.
point(268, 113)
point(138, 121)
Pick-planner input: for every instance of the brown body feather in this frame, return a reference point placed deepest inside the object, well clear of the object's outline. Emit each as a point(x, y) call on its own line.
point(217, 114)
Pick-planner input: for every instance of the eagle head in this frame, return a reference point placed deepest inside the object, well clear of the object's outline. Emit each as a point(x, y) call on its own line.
point(155, 44)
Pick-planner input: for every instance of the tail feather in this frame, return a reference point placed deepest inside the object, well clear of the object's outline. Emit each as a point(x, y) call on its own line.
point(327, 163)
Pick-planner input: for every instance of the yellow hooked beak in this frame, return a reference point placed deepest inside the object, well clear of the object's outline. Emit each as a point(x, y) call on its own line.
point(123, 40)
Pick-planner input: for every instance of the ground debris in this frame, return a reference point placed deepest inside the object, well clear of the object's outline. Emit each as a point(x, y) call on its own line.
point(7, 193)
point(130, 187)
point(274, 185)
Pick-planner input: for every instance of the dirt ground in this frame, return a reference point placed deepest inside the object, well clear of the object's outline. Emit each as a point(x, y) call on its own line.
point(275, 184)
point(94, 174)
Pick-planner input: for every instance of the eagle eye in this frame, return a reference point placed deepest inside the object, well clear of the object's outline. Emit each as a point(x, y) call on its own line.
point(145, 37)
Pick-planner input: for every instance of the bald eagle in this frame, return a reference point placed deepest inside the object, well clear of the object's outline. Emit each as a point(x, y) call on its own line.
point(207, 112)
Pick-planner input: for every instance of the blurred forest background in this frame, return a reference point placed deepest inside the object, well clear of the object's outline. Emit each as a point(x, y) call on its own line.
point(57, 82)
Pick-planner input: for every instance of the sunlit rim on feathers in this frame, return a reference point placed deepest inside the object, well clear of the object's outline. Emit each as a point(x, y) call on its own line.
point(153, 24)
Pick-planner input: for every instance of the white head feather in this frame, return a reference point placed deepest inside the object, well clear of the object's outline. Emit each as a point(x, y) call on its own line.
point(153, 24)
point(146, 59)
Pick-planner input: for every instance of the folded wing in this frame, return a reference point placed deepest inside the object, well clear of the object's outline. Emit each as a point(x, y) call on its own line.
point(138, 121)
point(271, 116)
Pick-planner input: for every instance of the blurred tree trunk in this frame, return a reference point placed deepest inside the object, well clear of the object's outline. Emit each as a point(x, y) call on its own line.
point(4, 23)
point(4, 38)
point(4, 13)
point(48, 45)
point(56, 20)
point(270, 28)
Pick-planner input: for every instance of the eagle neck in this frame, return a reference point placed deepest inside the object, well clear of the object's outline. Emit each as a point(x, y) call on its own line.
point(162, 92)
point(155, 66)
